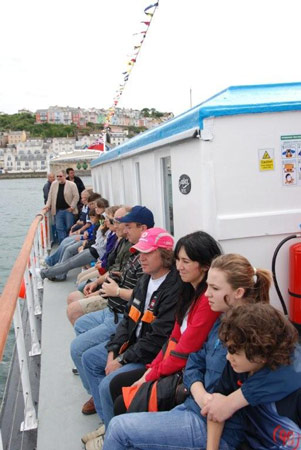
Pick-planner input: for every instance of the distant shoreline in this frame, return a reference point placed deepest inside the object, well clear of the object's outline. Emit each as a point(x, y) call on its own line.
point(8, 176)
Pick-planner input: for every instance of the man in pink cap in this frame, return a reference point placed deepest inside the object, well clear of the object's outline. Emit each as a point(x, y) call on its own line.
point(148, 321)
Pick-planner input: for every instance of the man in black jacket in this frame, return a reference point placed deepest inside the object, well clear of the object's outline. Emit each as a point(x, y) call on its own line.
point(78, 181)
point(148, 320)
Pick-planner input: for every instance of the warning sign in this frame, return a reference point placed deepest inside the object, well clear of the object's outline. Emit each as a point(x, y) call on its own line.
point(266, 159)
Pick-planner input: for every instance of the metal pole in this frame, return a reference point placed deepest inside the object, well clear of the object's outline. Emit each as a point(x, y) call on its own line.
point(1, 443)
point(49, 221)
point(40, 248)
point(36, 280)
point(35, 345)
point(44, 238)
point(30, 417)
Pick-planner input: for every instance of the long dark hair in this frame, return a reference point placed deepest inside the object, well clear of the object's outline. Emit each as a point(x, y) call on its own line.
point(202, 248)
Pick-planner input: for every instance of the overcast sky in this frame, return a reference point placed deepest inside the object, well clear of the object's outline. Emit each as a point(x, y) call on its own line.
point(73, 52)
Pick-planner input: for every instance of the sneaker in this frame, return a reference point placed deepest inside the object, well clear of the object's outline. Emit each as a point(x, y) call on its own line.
point(43, 263)
point(94, 434)
point(43, 274)
point(95, 444)
point(89, 407)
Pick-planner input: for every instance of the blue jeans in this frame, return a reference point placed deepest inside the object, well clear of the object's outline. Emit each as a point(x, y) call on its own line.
point(94, 362)
point(63, 221)
point(178, 429)
point(61, 269)
point(56, 256)
point(91, 329)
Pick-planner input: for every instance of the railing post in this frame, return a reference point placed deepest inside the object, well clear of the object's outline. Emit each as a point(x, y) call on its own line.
point(1, 443)
point(44, 237)
point(30, 417)
point(35, 345)
point(36, 280)
point(40, 247)
point(49, 228)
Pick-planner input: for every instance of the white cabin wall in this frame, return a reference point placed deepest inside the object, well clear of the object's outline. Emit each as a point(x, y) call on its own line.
point(254, 211)
point(196, 210)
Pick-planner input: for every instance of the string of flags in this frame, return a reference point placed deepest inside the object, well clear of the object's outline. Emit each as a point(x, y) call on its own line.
point(149, 11)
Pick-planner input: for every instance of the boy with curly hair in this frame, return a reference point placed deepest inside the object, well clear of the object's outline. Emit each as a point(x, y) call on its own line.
point(258, 336)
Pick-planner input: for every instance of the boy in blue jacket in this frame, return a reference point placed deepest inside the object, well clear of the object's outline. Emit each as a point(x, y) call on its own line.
point(258, 337)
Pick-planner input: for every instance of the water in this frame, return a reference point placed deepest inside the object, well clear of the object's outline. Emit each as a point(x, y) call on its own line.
point(20, 201)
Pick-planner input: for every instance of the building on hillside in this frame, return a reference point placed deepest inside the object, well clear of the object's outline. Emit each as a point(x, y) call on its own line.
point(29, 156)
point(118, 138)
point(2, 159)
point(42, 116)
point(15, 137)
point(60, 145)
point(3, 139)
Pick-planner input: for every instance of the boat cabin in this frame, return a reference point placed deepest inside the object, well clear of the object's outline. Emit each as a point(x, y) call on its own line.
point(230, 166)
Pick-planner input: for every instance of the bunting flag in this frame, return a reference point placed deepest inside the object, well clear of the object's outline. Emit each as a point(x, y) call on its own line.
point(149, 11)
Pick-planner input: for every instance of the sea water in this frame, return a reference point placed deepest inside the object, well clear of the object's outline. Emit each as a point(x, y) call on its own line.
point(20, 201)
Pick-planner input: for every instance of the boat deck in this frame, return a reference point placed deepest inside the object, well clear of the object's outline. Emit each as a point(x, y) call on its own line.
point(61, 423)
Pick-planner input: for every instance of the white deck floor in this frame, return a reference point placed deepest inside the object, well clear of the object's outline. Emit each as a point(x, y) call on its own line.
point(61, 423)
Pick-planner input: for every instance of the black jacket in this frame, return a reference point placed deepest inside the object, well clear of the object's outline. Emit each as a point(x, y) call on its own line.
point(79, 183)
point(157, 321)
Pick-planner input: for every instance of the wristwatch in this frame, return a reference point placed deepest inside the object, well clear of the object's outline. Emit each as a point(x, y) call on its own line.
point(121, 360)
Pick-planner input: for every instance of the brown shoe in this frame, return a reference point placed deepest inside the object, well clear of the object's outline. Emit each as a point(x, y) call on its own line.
point(89, 407)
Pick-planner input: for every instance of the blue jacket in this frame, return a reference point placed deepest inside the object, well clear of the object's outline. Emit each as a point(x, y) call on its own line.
point(264, 386)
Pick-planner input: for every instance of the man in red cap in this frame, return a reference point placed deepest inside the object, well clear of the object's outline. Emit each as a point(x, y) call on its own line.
point(147, 322)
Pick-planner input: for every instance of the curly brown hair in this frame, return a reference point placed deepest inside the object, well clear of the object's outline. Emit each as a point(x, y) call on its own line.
point(261, 331)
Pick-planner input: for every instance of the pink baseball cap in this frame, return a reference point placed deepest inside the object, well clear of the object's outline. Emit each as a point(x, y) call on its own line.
point(152, 239)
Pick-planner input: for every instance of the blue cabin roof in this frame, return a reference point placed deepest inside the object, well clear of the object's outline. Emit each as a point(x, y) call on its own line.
point(231, 101)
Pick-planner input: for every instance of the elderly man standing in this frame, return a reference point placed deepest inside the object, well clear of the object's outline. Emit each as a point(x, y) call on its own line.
point(62, 200)
point(46, 187)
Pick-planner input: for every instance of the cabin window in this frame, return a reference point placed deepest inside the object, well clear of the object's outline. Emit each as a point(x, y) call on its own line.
point(138, 183)
point(167, 192)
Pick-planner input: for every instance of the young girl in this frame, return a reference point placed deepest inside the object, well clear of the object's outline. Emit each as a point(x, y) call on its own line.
point(232, 281)
point(194, 320)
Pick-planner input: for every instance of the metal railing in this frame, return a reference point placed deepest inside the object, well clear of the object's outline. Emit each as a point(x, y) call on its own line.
point(24, 282)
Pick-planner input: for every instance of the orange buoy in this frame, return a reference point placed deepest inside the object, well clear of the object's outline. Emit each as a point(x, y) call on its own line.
point(22, 291)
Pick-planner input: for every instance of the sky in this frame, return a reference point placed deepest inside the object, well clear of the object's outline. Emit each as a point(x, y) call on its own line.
point(73, 53)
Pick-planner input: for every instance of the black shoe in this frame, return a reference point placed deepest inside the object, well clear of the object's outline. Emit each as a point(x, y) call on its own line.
point(43, 274)
point(56, 279)
point(75, 371)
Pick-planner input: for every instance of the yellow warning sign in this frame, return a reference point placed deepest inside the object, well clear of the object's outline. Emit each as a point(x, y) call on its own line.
point(266, 159)
point(267, 164)
point(266, 155)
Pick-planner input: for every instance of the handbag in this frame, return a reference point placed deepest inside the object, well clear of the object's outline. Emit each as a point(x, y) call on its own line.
point(157, 395)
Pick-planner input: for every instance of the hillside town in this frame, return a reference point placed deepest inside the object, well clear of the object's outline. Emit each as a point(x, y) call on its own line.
point(22, 153)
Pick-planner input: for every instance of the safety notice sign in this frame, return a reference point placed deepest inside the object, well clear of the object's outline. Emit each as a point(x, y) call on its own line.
point(291, 159)
point(266, 159)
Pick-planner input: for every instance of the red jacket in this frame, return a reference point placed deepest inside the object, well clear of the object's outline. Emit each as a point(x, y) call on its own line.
point(200, 321)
